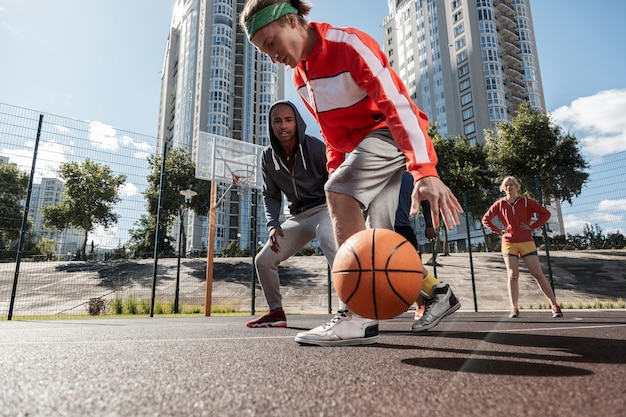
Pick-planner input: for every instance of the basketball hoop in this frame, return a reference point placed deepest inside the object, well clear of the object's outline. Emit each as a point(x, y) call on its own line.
point(242, 178)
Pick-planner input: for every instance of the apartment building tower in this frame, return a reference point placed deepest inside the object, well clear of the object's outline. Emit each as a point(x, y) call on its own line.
point(214, 81)
point(468, 64)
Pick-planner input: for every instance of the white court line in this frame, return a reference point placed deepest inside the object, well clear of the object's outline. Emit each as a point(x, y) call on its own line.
point(604, 326)
point(117, 341)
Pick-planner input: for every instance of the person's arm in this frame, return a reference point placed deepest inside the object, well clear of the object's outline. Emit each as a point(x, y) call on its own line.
point(488, 217)
point(429, 232)
point(542, 212)
point(370, 69)
point(428, 217)
point(272, 199)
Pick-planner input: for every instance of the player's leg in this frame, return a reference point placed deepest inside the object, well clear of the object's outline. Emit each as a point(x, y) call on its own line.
point(324, 233)
point(349, 191)
point(534, 267)
point(511, 261)
point(345, 215)
point(297, 234)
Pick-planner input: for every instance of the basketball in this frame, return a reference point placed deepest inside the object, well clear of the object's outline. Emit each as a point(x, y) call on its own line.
point(377, 273)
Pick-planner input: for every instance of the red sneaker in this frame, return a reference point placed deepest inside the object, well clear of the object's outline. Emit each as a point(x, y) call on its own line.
point(556, 311)
point(271, 318)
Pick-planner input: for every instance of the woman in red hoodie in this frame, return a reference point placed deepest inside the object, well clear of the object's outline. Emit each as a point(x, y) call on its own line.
point(516, 213)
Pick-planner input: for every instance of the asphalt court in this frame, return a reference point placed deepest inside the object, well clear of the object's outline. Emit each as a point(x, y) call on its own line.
point(471, 364)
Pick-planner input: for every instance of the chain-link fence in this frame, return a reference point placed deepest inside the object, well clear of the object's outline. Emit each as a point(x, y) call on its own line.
point(43, 271)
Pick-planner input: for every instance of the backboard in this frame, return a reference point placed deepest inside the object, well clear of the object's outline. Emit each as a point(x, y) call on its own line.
point(218, 158)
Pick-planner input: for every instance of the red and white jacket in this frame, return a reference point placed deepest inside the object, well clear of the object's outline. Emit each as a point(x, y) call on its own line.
point(511, 215)
point(349, 87)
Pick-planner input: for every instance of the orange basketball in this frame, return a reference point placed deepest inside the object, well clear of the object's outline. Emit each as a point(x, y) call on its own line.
point(377, 273)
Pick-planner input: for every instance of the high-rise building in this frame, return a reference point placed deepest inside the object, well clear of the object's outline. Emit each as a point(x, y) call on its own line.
point(215, 81)
point(49, 192)
point(468, 64)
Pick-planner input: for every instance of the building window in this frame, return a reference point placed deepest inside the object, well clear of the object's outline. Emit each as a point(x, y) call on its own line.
point(464, 85)
point(490, 55)
point(459, 29)
point(464, 70)
point(466, 99)
point(455, 4)
point(469, 128)
point(460, 43)
point(491, 84)
point(468, 113)
point(457, 17)
point(485, 14)
point(461, 57)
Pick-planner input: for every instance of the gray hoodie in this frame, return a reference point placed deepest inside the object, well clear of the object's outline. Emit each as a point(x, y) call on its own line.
point(304, 187)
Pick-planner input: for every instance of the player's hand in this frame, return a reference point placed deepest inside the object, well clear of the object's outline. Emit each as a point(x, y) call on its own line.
point(275, 233)
point(431, 233)
point(441, 201)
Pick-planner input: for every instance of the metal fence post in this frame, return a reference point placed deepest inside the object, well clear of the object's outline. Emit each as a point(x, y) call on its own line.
point(545, 234)
point(469, 250)
point(158, 229)
point(20, 246)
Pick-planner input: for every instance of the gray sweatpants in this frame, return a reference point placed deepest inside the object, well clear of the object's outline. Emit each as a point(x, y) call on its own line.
point(299, 230)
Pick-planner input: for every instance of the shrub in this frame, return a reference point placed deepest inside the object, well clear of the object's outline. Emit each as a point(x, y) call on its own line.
point(116, 306)
point(131, 306)
point(96, 306)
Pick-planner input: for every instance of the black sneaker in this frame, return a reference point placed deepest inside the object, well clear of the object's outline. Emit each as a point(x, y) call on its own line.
point(436, 308)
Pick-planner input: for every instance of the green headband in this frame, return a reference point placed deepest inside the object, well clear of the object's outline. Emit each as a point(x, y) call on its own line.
point(267, 15)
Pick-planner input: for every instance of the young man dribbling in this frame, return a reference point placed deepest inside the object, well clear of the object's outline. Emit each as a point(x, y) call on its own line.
point(363, 110)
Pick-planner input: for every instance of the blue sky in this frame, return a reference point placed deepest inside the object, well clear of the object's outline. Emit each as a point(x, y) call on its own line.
point(100, 60)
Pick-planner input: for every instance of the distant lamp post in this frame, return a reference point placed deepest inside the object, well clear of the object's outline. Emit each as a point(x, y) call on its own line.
point(188, 194)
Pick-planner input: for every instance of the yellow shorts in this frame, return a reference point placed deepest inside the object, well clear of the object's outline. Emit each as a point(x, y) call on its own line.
point(519, 249)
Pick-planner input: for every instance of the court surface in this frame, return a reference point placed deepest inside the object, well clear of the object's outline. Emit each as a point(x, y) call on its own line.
point(472, 364)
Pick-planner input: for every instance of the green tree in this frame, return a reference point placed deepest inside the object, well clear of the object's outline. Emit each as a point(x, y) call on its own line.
point(463, 167)
point(141, 240)
point(531, 145)
point(46, 246)
point(179, 175)
point(91, 192)
point(13, 187)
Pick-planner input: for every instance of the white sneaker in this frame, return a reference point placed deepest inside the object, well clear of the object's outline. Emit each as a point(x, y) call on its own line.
point(436, 308)
point(345, 329)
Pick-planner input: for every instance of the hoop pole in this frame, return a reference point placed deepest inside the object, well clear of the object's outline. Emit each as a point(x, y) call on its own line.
point(210, 249)
point(219, 202)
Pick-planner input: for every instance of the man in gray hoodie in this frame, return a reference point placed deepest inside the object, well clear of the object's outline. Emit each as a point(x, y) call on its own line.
point(294, 165)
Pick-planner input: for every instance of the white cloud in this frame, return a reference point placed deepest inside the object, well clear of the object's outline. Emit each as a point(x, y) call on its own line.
point(143, 150)
point(612, 205)
point(50, 155)
point(128, 189)
point(62, 129)
point(103, 238)
point(573, 224)
point(105, 137)
point(598, 121)
point(608, 214)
